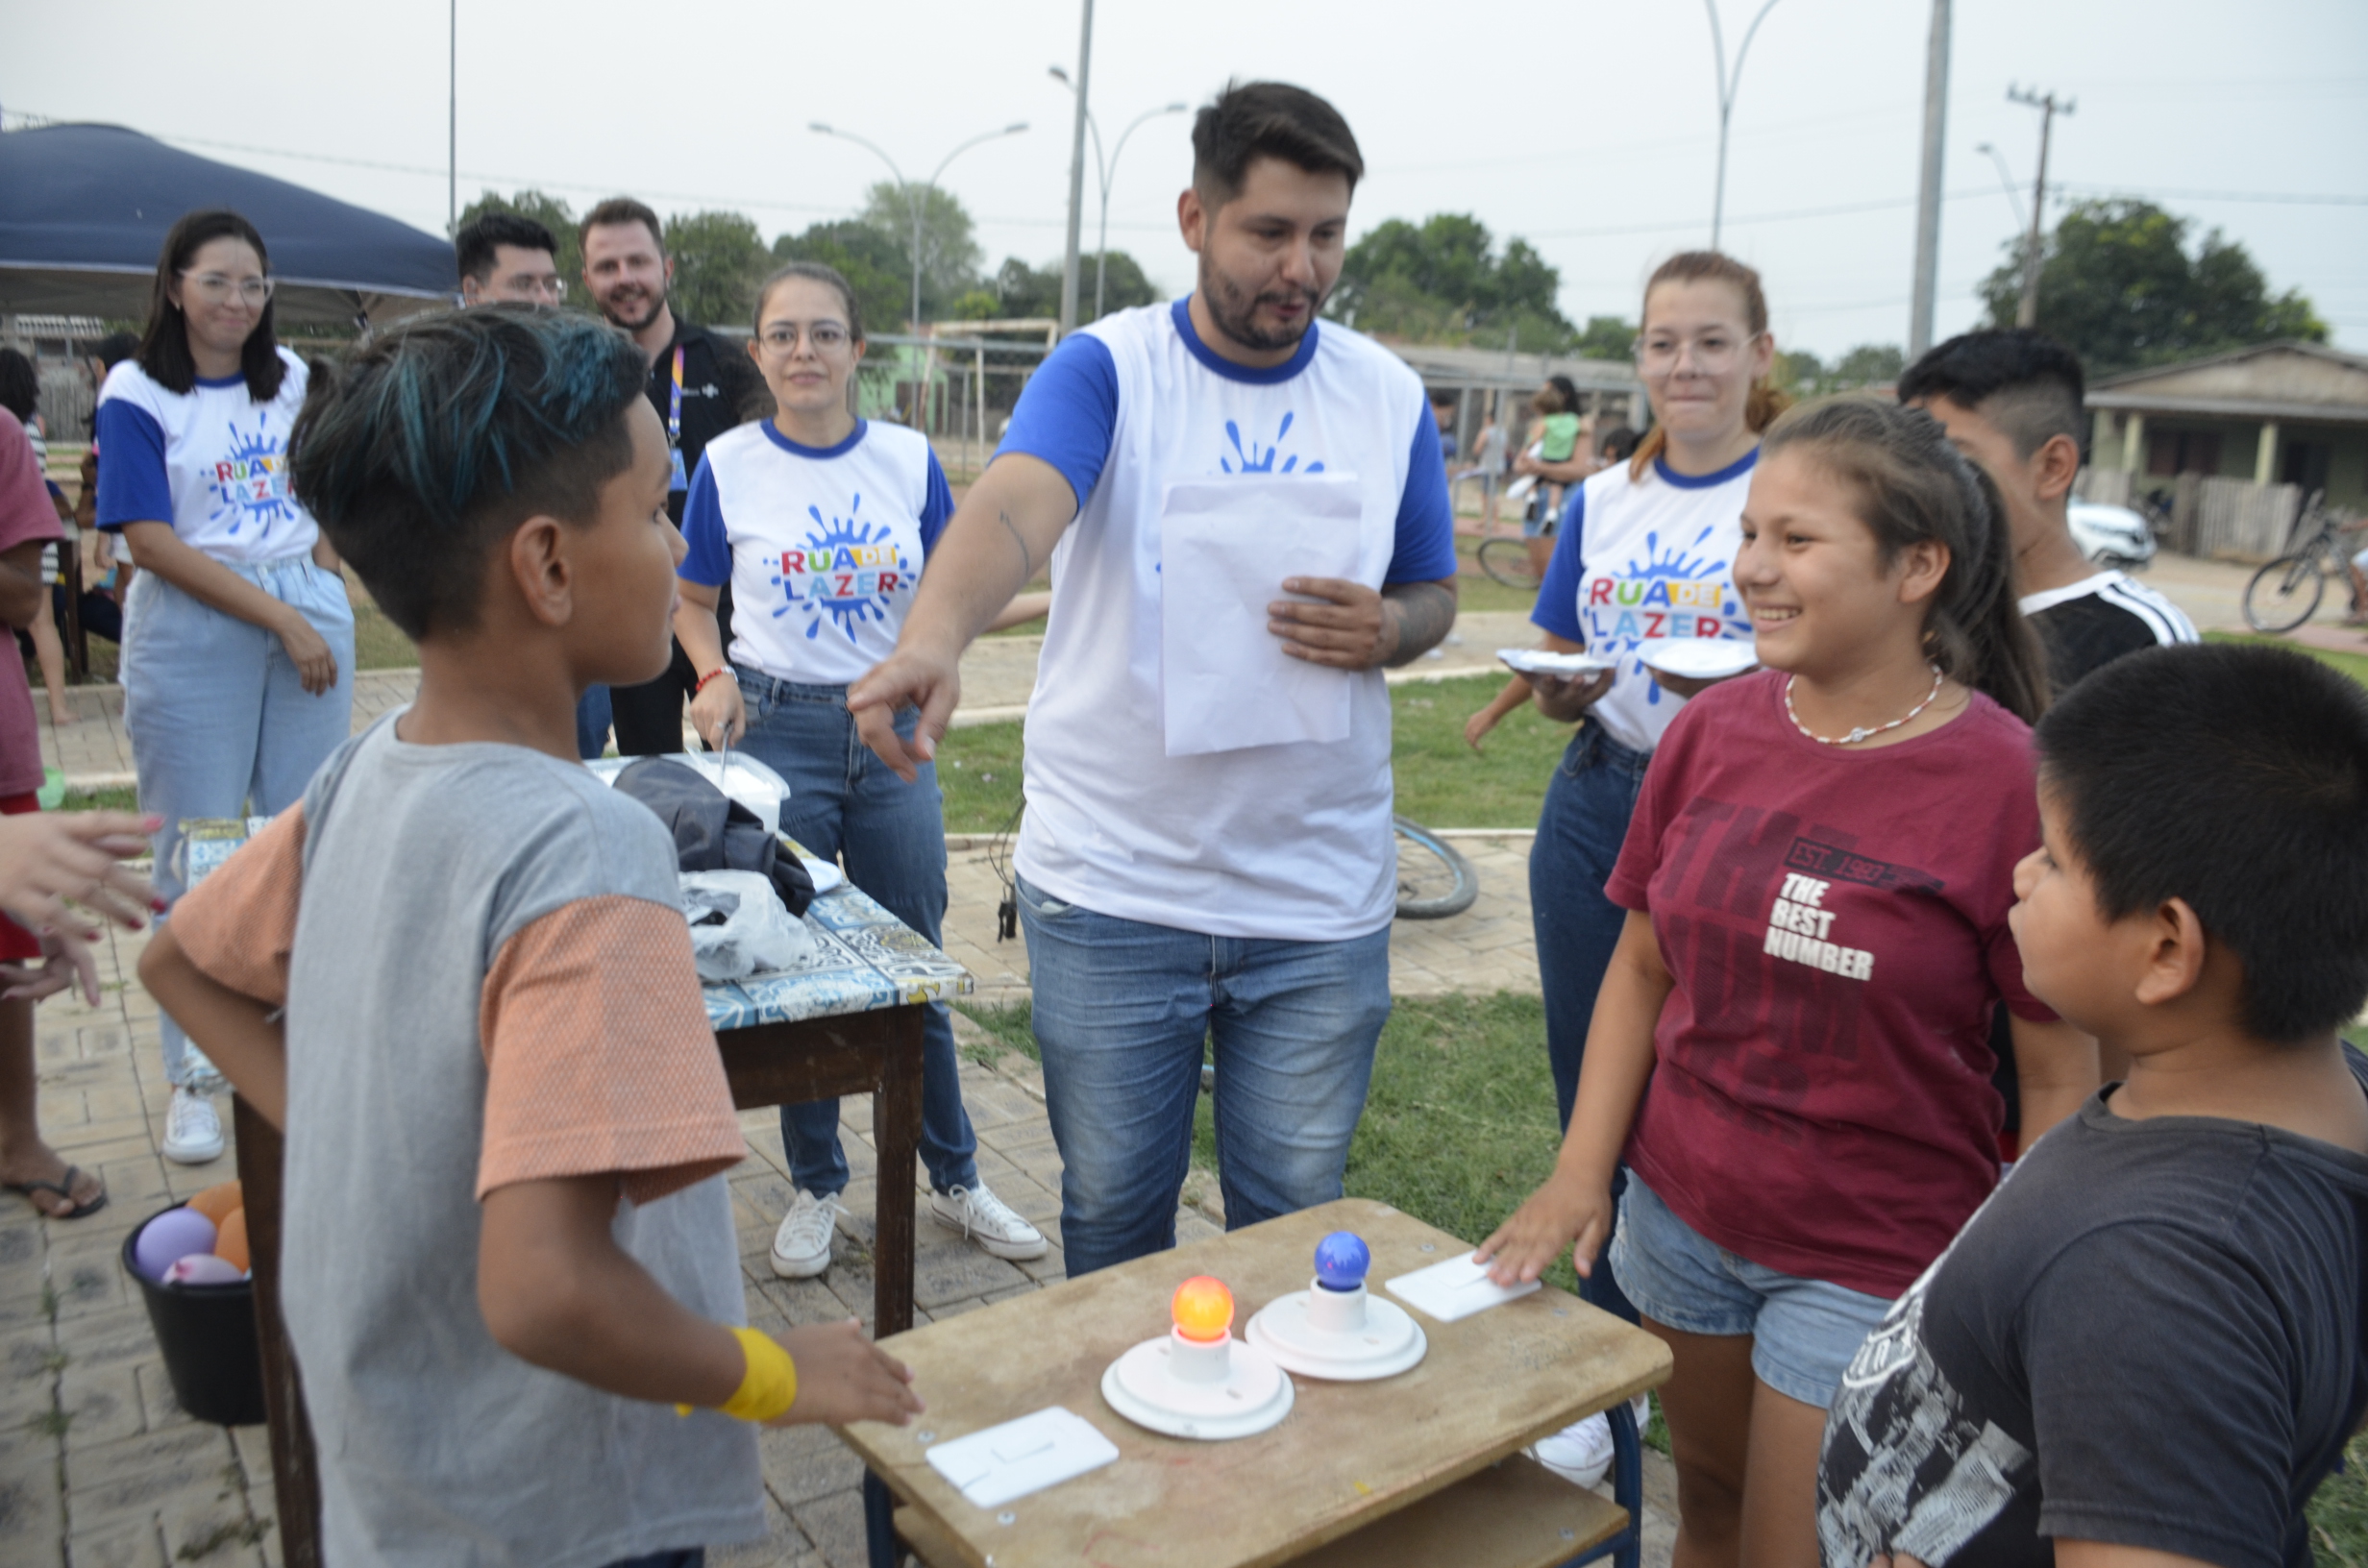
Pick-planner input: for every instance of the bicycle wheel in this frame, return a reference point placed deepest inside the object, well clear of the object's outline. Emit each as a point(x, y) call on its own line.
point(1433, 879)
point(1507, 560)
point(2285, 593)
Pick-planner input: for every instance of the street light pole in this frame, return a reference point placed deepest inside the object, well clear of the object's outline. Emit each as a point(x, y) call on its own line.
point(1728, 81)
point(1106, 171)
point(2027, 313)
point(916, 197)
point(1928, 190)
point(451, 127)
point(1076, 169)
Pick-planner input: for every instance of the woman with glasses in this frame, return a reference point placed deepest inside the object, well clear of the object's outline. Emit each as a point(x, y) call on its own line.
point(1645, 553)
point(238, 640)
point(823, 524)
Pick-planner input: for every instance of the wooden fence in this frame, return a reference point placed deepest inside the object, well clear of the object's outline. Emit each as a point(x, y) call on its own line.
point(2227, 518)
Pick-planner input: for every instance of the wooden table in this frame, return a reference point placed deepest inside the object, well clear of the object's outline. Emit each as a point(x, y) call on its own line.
point(848, 1022)
point(1434, 1451)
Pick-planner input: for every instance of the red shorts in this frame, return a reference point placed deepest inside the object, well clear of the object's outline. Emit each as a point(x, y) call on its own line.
point(16, 943)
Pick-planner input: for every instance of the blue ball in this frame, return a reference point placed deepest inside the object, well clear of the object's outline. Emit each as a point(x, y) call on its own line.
point(1342, 1260)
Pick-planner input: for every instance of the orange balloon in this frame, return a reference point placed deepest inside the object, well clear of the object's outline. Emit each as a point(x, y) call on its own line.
point(229, 1243)
point(217, 1202)
point(1204, 1306)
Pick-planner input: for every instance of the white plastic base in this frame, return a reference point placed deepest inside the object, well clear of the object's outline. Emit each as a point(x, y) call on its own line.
point(1172, 1385)
point(1344, 1336)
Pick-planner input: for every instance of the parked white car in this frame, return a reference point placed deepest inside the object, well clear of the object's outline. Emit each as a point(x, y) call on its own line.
point(2113, 536)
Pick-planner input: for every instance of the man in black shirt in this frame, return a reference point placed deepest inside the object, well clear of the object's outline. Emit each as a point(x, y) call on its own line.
point(701, 386)
point(2148, 1346)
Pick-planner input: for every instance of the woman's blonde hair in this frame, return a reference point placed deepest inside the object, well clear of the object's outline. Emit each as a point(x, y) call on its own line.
point(1765, 402)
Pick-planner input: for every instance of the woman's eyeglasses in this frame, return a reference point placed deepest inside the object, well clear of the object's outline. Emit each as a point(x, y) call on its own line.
point(826, 337)
point(214, 288)
point(1714, 352)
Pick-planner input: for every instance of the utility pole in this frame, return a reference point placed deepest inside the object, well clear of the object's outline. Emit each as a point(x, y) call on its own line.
point(1076, 172)
point(2027, 313)
point(1928, 188)
point(452, 127)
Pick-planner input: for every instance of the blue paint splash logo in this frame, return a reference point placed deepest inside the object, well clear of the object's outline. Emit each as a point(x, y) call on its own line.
point(1249, 459)
point(848, 572)
point(1663, 587)
point(250, 482)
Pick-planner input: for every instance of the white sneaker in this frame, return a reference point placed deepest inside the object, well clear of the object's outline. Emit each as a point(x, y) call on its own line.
point(988, 1220)
point(1582, 1453)
point(192, 1132)
point(802, 1246)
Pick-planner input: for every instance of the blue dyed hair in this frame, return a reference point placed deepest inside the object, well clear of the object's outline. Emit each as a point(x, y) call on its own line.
point(422, 451)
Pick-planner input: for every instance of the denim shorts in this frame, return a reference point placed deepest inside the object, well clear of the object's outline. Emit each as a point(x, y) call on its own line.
point(1803, 1332)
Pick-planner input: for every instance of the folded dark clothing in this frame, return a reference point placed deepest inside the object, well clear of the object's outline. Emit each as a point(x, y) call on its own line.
point(712, 831)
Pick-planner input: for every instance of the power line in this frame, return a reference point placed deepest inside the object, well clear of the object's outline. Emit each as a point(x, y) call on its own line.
point(2276, 198)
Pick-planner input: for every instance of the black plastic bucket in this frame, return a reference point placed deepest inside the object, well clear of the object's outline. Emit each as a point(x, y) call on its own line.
point(207, 1332)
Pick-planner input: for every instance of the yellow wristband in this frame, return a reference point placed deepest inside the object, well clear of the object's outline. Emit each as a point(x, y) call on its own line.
point(770, 1386)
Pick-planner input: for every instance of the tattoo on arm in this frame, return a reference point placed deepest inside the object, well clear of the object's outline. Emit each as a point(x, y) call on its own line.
point(1027, 557)
point(1424, 612)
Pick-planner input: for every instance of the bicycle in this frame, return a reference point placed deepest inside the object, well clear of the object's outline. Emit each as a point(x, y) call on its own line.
point(1506, 558)
point(2287, 592)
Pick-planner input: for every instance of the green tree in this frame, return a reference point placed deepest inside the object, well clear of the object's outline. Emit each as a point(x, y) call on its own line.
point(2119, 288)
point(552, 214)
point(1869, 364)
point(949, 255)
point(1022, 290)
point(873, 265)
point(719, 259)
point(1800, 372)
point(1607, 337)
point(1443, 280)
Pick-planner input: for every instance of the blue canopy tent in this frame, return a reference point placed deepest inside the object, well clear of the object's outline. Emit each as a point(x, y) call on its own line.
point(84, 211)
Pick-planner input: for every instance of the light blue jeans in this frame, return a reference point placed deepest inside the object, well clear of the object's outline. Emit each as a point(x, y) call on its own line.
point(1122, 1012)
point(843, 800)
point(220, 723)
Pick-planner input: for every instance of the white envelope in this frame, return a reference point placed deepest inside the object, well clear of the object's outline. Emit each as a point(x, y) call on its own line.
point(993, 1466)
point(1225, 547)
point(1455, 1288)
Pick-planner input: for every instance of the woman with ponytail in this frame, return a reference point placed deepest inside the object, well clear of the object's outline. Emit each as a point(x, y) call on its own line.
point(1815, 885)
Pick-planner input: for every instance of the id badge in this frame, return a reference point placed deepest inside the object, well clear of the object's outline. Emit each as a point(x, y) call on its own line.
point(681, 482)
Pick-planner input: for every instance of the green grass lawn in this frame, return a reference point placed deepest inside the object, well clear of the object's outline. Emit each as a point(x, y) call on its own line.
point(2355, 665)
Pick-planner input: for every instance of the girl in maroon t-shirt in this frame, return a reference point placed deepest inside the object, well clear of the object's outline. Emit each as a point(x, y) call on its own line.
point(1817, 876)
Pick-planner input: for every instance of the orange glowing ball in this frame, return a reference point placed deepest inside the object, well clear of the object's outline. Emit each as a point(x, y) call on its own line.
point(217, 1202)
point(231, 1245)
point(1203, 1309)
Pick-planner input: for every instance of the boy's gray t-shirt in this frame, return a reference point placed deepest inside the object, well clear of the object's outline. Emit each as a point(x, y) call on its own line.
point(483, 921)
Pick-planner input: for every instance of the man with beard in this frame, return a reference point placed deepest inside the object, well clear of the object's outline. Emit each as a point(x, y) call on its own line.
point(1260, 526)
point(700, 386)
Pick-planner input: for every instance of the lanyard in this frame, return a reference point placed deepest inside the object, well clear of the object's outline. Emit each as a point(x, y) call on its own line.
point(674, 413)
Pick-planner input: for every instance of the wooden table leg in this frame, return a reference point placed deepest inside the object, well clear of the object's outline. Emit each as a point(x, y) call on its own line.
point(895, 1132)
point(294, 1478)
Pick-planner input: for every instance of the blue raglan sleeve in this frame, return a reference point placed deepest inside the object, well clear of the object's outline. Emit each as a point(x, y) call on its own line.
point(1068, 413)
point(710, 561)
point(1558, 596)
point(936, 507)
point(135, 485)
point(1425, 549)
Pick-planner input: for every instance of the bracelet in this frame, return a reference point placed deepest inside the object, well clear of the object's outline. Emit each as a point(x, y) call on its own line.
point(719, 670)
point(769, 1386)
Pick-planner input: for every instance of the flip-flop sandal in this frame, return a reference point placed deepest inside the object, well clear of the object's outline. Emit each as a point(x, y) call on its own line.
point(65, 1190)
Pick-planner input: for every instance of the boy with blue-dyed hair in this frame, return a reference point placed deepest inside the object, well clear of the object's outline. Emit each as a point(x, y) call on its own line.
point(509, 1252)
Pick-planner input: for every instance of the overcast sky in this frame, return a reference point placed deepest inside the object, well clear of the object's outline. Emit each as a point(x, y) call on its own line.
point(1590, 128)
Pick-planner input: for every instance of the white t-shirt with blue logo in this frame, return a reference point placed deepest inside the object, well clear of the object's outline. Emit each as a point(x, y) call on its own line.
point(823, 545)
point(211, 461)
point(1637, 561)
point(1289, 842)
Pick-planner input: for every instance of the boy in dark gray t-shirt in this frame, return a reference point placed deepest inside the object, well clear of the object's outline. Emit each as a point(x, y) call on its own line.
point(2148, 1346)
point(509, 1254)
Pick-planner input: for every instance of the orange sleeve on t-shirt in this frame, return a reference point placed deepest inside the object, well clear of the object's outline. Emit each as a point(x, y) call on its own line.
point(599, 1056)
point(238, 925)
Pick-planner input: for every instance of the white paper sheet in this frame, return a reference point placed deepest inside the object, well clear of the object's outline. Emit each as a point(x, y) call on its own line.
point(1455, 1288)
point(993, 1466)
point(1225, 547)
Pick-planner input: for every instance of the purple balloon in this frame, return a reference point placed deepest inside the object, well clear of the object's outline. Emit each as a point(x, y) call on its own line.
point(203, 1268)
point(169, 1237)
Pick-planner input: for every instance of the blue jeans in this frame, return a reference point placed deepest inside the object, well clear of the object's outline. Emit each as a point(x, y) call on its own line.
point(592, 722)
point(220, 723)
point(844, 801)
point(1803, 1332)
point(1580, 829)
point(1122, 1012)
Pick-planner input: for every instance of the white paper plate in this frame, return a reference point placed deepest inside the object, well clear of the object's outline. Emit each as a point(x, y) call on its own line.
point(1699, 658)
point(1539, 661)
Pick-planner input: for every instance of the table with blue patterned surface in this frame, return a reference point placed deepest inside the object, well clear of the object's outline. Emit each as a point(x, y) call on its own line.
point(864, 957)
